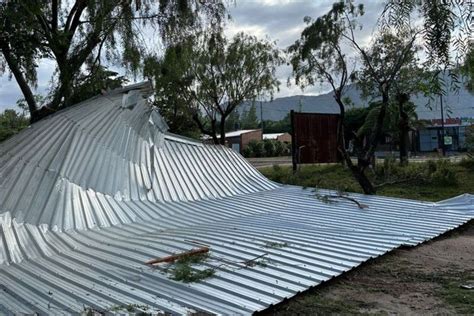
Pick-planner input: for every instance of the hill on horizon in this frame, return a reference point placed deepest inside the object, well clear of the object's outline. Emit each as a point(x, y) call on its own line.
point(459, 104)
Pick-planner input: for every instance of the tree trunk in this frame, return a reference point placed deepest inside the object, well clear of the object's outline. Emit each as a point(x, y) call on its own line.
point(63, 93)
point(20, 79)
point(364, 182)
point(403, 134)
point(357, 171)
point(404, 128)
point(222, 130)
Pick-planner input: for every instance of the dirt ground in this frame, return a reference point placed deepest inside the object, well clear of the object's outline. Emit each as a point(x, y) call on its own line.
point(422, 280)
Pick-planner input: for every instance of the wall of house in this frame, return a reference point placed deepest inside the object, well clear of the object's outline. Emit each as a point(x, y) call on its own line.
point(247, 137)
point(234, 143)
point(285, 138)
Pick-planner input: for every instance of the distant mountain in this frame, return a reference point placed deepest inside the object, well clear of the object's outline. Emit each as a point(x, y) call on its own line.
point(459, 104)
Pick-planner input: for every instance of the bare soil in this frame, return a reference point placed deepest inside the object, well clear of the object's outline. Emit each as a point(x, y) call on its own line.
point(422, 280)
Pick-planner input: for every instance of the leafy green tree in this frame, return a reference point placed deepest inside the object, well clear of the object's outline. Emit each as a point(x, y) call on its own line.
point(82, 33)
point(319, 55)
point(470, 140)
point(269, 146)
point(403, 78)
point(256, 148)
point(169, 74)
point(468, 70)
point(95, 82)
point(282, 126)
point(11, 122)
point(353, 120)
point(233, 122)
point(391, 124)
point(280, 148)
point(22, 104)
point(249, 118)
point(220, 74)
point(446, 30)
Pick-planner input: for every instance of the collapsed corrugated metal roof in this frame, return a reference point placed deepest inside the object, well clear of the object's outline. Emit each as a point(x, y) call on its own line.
point(88, 195)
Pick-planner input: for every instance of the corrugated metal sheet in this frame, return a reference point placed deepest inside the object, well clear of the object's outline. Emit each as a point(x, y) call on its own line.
point(91, 193)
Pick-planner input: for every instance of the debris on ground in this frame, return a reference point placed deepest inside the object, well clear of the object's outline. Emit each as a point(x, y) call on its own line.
point(275, 244)
point(185, 266)
point(468, 286)
point(332, 198)
point(257, 261)
point(173, 258)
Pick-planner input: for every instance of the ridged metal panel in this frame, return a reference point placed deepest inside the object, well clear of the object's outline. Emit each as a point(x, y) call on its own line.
point(90, 194)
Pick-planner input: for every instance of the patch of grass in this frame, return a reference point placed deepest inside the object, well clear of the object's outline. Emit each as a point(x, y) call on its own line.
point(338, 177)
point(467, 163)
point(462, 300)
point(311, 176)
point(187, 274)
point(183, 270)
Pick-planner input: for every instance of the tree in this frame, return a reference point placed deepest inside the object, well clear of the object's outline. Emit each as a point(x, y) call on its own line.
point(468, 70)
point(354, 119)
point(169, 74)
point(403, 79)
point(233, 122)
point(470, 140)
point(220, 75)
point(319, 56)
point(391, 124)
point(11, 123)
point(282, 126)
point(249, 118)
point(95, 82)
point(446, 30)
point(85, 32)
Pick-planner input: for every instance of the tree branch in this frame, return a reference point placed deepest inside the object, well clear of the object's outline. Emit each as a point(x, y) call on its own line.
point(18, 74)
point(54, 15)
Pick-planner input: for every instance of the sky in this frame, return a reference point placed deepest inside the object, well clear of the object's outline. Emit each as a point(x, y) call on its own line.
point(277, 20)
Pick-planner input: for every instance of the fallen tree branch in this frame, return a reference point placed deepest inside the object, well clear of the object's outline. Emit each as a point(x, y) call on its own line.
point(397, 181)
point(251, 262)
point(330, 198)
point(359, 205)
point(173, 258)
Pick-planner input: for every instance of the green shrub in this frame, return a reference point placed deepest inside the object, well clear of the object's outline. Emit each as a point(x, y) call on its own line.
point(269, 146)
point(257, 148)
point(265, 148)
point(247, 152)
point(467, 163)
point(279, 148)
point(388, 169)
point(440, 172)
point(444, 173)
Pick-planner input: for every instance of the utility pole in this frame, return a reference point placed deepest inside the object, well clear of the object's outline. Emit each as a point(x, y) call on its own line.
point(261, 115)
point(443, 148)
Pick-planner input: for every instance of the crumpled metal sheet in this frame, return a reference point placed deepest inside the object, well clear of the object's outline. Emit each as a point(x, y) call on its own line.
point(91, 193)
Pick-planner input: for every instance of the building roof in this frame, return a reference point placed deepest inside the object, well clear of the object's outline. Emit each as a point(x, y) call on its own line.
point(240, 132)
point(272, 135)
point(91, 193)
point(232, 134)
